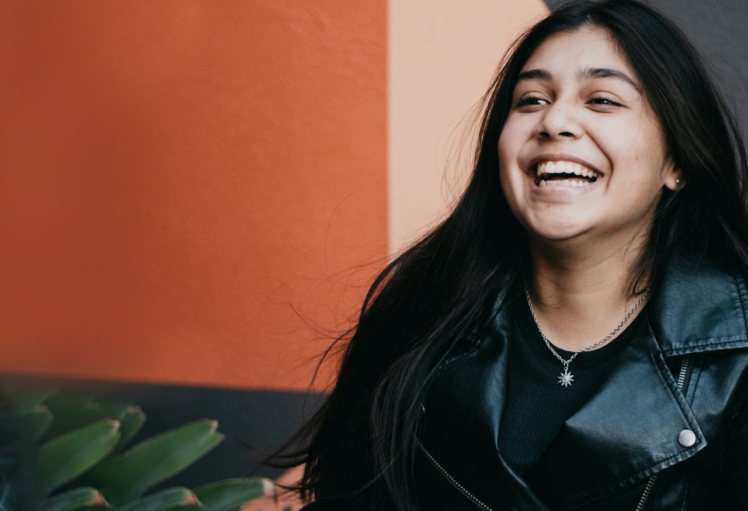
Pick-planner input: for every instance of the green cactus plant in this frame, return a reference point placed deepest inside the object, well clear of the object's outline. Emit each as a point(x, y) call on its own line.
point(231, 493)
point(127, 476)
point(167, 499)
point(65, 457)
point(75, 499)
point(29, 424)
point(84, 442)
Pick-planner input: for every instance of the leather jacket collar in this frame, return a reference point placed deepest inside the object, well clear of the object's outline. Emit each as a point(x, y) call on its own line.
point(699, 308)
point(625, 433)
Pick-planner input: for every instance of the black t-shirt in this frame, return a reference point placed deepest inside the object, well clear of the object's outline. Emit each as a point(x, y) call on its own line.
point(537, 404)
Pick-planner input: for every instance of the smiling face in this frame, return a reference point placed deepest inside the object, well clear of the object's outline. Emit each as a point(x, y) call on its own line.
point(579, 102)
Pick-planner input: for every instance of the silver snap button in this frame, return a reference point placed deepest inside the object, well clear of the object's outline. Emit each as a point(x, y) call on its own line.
point(687, 438)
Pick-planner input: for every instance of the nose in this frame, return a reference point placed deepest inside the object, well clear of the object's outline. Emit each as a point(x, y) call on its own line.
point(558, 121)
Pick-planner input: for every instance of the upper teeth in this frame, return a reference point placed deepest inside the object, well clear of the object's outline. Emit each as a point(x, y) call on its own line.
point(565, 167)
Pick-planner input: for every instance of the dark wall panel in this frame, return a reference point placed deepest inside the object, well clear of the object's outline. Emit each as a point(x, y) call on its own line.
point(717, 29)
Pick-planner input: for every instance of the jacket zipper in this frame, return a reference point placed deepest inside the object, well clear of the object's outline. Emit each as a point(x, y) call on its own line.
point(653, 479)
point(485, 507)
point(475, 500)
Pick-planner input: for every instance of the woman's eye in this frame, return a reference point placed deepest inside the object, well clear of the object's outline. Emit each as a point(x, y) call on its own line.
point(604, 101)
point(534, 100)
point(529, 100)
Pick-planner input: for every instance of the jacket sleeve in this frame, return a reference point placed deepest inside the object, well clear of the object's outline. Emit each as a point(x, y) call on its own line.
point(736, 469)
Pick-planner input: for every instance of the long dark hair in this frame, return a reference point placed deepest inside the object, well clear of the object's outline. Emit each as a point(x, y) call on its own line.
point(361, 444)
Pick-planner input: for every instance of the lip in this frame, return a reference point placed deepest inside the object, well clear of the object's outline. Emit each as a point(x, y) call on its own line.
point(564, 157)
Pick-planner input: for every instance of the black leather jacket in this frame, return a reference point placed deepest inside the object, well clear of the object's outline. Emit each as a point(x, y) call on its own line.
point(648, 439)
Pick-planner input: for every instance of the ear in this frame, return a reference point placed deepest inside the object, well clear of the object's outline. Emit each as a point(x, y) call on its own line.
point(674, 179)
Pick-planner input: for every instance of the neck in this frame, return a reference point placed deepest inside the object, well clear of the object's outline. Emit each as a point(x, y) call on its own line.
point(581, 295)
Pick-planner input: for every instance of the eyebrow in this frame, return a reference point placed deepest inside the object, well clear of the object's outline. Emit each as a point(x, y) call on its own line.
point(584, 74)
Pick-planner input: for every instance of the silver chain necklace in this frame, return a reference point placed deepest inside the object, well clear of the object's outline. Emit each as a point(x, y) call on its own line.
point(566, 377)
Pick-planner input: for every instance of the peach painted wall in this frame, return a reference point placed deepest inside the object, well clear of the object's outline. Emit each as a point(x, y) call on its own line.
point(442, 57)
point(187, 187)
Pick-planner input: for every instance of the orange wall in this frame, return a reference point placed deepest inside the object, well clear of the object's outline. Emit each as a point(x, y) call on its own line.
point(179, 176)
point(200, 192)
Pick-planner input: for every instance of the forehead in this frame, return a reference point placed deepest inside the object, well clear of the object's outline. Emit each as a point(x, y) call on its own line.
point(585, 47)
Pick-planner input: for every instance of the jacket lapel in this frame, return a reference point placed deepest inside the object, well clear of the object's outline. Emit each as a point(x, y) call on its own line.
point(699, 308)
point(627, 432)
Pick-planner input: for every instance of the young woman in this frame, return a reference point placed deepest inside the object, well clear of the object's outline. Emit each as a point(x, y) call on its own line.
point(574, 334)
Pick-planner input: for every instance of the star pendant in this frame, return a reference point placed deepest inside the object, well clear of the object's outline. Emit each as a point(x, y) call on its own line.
point(566, 378)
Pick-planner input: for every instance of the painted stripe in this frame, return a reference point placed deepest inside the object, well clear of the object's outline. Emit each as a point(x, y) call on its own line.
point(443, 54)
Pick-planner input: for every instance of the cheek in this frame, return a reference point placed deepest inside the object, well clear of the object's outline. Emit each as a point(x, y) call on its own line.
point(507, 154)
point(639, 158)
point(634, 144)
point(505, 148)
point(513, 135)
point(637, 178)
point(512, 140)
point(508, 151)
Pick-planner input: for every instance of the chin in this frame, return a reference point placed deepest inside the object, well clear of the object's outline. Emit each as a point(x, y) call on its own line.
point(555, 231)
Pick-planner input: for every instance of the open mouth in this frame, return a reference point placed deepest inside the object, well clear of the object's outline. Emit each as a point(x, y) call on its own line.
point(563, 173)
